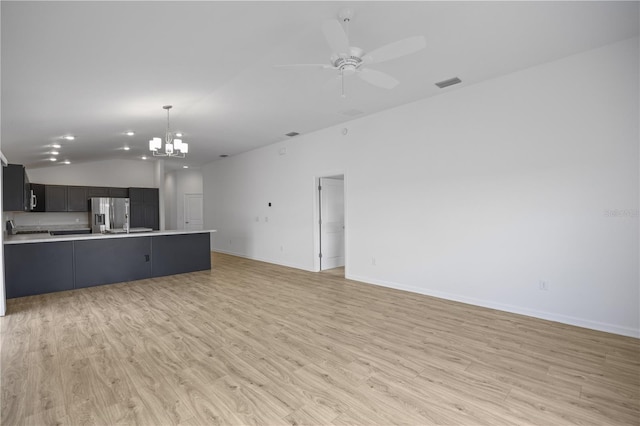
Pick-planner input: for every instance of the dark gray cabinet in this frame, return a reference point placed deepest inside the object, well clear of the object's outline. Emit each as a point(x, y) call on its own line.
point(144, 208)
point(177, 254)
point(77, 200)
point(38, 268)
point(97, 191)
point(55, 198)
point(16, 191)
point(39, 197)
point(112, 260)
point(119, 192)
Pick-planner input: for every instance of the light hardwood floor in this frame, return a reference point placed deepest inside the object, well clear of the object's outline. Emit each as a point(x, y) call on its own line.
point(253, 343)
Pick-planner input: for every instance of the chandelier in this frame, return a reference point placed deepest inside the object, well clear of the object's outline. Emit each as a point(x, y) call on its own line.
point(172, 147)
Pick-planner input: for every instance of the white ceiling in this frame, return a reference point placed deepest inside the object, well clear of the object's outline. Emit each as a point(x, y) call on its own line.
point(98, 69)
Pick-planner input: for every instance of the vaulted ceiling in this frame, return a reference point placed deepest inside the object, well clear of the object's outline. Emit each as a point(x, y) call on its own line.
point(95, 70)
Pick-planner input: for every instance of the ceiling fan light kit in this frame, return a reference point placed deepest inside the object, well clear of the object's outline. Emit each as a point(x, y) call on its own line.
point(172, 147)
point(349, 60)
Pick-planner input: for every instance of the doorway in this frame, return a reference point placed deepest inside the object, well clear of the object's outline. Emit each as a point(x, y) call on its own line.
point(193, 212)
point(331, 222)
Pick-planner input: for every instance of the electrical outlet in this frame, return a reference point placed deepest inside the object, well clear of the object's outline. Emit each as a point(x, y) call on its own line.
point(281, 248)
point(543, 285)
point(266, 218)
point(257, 218)
point(373, 261)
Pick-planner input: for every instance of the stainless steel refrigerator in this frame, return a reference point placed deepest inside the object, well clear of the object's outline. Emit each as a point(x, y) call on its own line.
point(109, 215)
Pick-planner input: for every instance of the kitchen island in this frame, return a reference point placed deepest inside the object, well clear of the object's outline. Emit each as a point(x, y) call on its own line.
point(44, 263)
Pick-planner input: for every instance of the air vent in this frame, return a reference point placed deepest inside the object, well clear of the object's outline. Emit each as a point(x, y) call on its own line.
point(447, 83)
point(292, 134)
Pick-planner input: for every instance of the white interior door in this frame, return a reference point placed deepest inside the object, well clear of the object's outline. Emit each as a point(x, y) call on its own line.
point(331, 223)
point(193, 212)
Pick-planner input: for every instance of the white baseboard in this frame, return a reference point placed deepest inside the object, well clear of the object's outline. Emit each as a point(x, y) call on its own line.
point(259, 259)
point(550, 316)
point(564, 319)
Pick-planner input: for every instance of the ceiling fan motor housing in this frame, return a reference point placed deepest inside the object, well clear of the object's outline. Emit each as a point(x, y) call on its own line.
point(349, 62)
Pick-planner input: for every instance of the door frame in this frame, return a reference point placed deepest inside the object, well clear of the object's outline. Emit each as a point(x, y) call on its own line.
point(316, 219)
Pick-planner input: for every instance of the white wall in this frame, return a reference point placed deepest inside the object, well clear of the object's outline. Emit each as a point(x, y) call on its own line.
point(118, 173)
point(475, 195)
point(177, 184)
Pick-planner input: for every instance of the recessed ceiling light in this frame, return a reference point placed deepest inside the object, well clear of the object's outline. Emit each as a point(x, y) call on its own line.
point(66, 162)
point(126, 148)
point(223, 156)
point(129, 133)
point(144, 157)
point(185, 167)
point(53, 159)
point(69, 137)
point(54, 153)
point(56, 146)
point(179, 135)
point(292, 134)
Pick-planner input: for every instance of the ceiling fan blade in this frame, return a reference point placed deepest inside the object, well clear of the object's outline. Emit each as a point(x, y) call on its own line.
point(325, 66)
point(336, 37)
point(395, 50)
point(377, 78)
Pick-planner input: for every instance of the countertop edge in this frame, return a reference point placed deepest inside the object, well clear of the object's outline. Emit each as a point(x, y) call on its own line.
point(36, 238)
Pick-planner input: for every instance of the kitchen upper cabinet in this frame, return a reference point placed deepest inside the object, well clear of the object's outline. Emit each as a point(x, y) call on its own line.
point(39, 196)
point(97, 191)
point(136, 195)
point(77, 200)
point(55, 198)
point(145, 208)
point(119, 192)
point(16, 191)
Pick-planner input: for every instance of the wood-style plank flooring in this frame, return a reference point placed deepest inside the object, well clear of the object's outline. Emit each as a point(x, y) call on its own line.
point(253, 343)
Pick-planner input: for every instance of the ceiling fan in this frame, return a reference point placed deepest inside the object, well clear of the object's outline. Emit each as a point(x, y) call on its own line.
point(349, 60)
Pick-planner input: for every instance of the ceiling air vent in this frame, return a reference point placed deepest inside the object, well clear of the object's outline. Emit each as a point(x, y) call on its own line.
point(447, 83)
point(292, 134)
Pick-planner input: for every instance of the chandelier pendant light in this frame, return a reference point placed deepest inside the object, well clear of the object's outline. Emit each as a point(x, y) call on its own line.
point(172, 147)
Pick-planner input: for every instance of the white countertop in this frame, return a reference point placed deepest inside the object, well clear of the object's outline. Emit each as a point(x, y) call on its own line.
point(47, 238)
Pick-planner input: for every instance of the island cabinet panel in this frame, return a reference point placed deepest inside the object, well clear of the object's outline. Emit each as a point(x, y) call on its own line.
point(177, 254)
point(38, 268)
point(112, 260)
